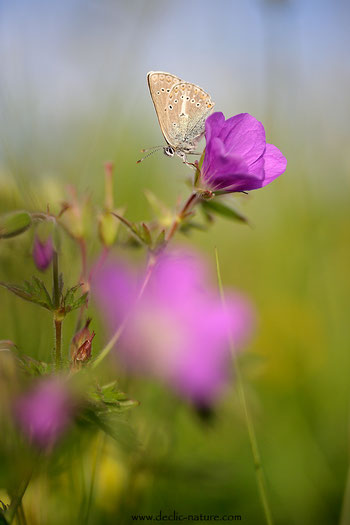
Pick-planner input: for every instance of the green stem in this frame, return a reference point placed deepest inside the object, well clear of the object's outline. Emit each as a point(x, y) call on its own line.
point(189, 204)
point(58, 343)
point(345, 511)
point(55, 287)
point(260, 478)
point(16, 502)
point(57, 318)
point(98, 454)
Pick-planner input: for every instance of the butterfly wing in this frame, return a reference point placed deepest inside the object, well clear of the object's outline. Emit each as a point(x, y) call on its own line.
point(160, 85)
point(187, 108)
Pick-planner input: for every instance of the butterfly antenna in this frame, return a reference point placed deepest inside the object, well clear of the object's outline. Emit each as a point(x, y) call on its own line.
point(144, 150)
point(153, 150)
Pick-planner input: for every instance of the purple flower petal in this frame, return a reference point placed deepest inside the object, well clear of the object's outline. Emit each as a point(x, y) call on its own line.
point(42, 253)
point(275, 163)
point(44, 413)
point(237, 157)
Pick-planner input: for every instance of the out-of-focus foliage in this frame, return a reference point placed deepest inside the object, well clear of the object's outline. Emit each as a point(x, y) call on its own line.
point(75, 96)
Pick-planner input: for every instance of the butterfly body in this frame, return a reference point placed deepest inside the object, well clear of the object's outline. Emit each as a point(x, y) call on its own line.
point(181, 108)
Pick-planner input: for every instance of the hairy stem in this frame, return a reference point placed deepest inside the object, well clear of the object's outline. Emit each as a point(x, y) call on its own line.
point(57, 319)
point(58, 343)
point(260, 478)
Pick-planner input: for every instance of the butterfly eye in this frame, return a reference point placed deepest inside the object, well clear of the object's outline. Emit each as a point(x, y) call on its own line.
point(169, 151)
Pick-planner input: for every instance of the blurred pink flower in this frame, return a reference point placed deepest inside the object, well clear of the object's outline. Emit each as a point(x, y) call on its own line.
point(44, 413)
point(178, 330)
point(42, 253)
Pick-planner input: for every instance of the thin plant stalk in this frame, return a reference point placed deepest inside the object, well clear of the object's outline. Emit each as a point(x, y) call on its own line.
point(57, 318)
point(260, 478)
point(345, 511)
point(16, 502)
point(98, 453)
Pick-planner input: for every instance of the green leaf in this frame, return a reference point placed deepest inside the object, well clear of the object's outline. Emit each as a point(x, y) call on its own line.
point(198, 170)
point(112, 424)
point(69, 297)
point(78, 302)
point(146, 234)
point(14, 223)
point(32, 366)
point(132, 227)
point(107, 228)
point(219, 208)
point(34, 292)
point(159, 242)
point(111, 399)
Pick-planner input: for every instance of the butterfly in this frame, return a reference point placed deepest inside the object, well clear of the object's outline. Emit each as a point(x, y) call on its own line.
point(182, 109)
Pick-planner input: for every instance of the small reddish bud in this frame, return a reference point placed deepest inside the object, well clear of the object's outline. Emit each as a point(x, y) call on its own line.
point(81, 345)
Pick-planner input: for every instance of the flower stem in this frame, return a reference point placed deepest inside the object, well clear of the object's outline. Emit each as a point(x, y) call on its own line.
point(260, 478)
point(16, 501)
point(55, 286)
point(56, 318)
point(345, 511)
point(58, 343)
point(189, 204)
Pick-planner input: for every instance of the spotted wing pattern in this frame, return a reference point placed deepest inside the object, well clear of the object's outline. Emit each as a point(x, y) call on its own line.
point(160, 85)
point(181, 108)
point(187, 110)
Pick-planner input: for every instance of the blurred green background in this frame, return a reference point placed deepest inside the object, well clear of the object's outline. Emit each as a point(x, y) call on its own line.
point(73, 94)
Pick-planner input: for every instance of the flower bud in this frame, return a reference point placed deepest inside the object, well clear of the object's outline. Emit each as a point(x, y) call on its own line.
point(42, 253)
point(107, 228)
point(14, 223)
point(81, 345)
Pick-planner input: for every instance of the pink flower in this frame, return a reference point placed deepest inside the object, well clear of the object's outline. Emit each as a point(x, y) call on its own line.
point(42, 253)
point(178, 331)
point(44, 413)
point(237, 157)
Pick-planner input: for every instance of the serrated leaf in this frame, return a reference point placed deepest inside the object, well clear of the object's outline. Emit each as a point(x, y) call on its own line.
point(112, 400)
point(29, 292)
point(32, 366)
point(42, 291)
point(78, 302)
point(14, 223)
point(69, 297)
point(219, 208)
